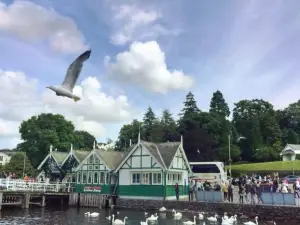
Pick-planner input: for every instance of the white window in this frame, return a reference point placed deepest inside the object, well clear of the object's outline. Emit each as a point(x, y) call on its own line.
point(180, 178)
point(78, 177)
point(145, 178)
point(102, 177)
point(83, 178)
point(1, 158)
point(96, 177)
point(170, 178)
point(107, 178)
point(156, 178)
point(96, 160)
point(135, 178)
point(90, 177)
point(91, 159)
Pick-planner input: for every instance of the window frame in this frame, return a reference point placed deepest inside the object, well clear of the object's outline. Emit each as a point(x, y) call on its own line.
point(84, 173)
point(131, 178)
point(146, 174)
point(89, 179)
point(97, 175)
point(156, 174)
point(78, 177)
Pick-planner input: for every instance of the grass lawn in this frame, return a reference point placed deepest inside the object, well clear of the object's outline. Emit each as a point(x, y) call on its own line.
point(268, 166)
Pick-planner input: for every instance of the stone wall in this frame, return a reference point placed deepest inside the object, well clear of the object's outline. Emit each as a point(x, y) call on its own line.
point(264, 212)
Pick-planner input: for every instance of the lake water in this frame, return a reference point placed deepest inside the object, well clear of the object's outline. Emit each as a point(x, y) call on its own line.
point(72, 216)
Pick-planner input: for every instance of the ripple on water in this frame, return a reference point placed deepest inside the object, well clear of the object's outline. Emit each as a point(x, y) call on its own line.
point(50, 216)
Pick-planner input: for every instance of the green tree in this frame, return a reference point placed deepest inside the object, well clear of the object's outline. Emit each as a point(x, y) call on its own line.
point(16, 165)
point(148, 123)
point(39, 132)
point(128, 132)
point(169, 127)
point(84, 140)
point(190, 106)
point(218, 105)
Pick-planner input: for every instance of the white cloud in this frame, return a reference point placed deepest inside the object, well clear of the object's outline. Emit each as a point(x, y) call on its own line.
point(133, 23)
point(21, 99)
point(34, 23)
point(144, 64)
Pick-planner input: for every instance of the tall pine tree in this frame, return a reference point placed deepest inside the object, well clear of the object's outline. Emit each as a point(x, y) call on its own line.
point(218, 105)
point(190, 106)
point(169, 126)
point(148, 123)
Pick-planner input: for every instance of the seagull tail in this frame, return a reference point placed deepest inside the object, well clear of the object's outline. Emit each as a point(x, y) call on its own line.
point(76, 98)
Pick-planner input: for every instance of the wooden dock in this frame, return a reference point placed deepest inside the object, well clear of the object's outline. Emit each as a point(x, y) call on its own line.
point(25, 194)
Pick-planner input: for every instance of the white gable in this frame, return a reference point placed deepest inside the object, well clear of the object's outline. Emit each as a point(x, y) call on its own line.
point(179, 161)
point(141, 158)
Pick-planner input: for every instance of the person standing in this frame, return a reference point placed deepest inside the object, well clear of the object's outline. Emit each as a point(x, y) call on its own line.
point(191, 190)
point(230, 193)
point(241, 193)
point(176, 187)
point(225, 191)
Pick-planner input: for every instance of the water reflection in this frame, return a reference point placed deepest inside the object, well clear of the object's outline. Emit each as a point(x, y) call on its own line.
point(50, 216)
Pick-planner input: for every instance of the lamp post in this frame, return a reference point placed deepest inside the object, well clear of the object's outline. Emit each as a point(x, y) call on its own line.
point(24, 164)
point(229, 154)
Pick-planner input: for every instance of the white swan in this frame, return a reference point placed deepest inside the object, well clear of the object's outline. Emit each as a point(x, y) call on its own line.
point(225, 216)
point(117, 221)
point(144, 222)
point(232, 219)
point(201, 216)
point(225, 221)
point(162, 209)
point(146, 213)
point(190, 222)
point(213, 218)
point(152, 217)
point(251, 223)
point(178, 215)
point(94, 214)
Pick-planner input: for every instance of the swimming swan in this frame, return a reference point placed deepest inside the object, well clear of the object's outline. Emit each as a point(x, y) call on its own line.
point(251, 223)
point(162, 209)
point(94, 214)
point(178, 215)
point(213, 218)
point(117, 221)
point(190, 222)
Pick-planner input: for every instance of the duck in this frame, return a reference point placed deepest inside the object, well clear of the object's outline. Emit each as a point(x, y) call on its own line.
point(178, 215)
point(94, 214)
point(251, 223)
point(190, 222)
point(144, 222)
point(213, 218)
point(117, 221)
point(162, 209)
point(153, 217)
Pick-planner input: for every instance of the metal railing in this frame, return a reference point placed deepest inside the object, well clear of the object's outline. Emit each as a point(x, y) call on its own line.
point(20, 185)
point(209, 196)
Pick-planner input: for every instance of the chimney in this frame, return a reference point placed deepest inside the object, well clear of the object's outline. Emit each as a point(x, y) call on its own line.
point(51, 148)
point(130, 142)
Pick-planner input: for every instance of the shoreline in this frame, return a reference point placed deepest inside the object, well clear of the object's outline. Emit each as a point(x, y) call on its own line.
point(265, 212)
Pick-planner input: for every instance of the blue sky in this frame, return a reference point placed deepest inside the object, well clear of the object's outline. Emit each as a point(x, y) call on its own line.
point(245, 49)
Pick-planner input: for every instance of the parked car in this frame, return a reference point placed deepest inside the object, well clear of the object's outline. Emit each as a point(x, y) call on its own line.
point(290, 178)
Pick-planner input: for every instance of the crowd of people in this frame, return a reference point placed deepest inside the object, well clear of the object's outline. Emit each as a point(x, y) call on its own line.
point(248, 189)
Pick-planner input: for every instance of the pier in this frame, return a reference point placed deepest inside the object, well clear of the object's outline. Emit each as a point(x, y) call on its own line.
point(25, 194)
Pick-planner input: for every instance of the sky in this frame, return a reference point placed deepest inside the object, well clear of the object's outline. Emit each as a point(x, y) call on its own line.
point(144, 53)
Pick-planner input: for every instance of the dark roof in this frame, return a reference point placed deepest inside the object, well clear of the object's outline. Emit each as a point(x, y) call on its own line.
point(7, 151)
point(168, 151)
point(111, 158)
point(162, 151)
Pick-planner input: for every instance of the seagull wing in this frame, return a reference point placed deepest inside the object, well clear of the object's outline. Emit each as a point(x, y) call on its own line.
point(74, 70)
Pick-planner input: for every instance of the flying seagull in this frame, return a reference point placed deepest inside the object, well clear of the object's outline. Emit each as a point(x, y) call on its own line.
point(66, 88)
point(240, 138)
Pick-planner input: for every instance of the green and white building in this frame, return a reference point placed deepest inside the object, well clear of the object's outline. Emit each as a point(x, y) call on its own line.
point(95, 173)
point(56, 162)
point(150, 171)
